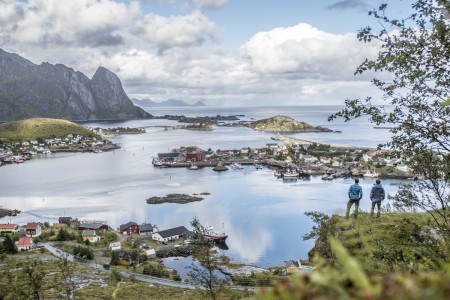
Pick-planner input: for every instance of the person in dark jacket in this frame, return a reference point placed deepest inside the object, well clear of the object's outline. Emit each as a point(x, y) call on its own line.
point(376, 196)
point(354, 194)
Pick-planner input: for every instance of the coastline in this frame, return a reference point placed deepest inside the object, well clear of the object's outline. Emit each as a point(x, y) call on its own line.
point(291, 140)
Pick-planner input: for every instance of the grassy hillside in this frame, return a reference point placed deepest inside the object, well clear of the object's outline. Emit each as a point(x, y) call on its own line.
point(394, 242)
point(284, 124)
point(40, 128)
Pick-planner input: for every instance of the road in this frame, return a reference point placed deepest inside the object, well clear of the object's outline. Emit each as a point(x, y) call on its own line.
point(61, 254)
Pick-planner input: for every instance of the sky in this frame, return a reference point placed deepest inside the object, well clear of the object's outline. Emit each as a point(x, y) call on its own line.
point(222, 52)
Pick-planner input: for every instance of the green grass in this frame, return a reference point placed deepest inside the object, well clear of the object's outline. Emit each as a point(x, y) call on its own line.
point(394, 242)
point(41, 128)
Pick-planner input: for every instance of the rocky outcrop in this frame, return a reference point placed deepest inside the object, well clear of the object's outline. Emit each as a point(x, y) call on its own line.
point(173, 198)
point(285, 124)
point(56, 91)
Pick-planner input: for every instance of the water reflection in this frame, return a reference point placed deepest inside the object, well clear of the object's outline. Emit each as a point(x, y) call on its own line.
point(263, 216)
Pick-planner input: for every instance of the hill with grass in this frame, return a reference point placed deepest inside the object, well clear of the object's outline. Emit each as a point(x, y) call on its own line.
point(285, 124)
point(397, 241)
point(41, 128)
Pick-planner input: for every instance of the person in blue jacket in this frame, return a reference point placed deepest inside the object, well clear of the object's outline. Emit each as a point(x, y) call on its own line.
point(354, 194)
point(376, 196)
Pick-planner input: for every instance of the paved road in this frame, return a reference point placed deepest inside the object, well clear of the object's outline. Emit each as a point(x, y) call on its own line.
point(61, 254)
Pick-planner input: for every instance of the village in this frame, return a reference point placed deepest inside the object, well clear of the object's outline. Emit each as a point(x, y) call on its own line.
point(292, 159)
point(19, 152)
point(131, 247)
point(126, 245)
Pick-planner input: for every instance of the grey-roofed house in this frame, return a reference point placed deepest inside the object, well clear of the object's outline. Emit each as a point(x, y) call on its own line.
point(170, 234)
point(93, 226)
point(64, 220)
point(146, 229)
point(90, 235)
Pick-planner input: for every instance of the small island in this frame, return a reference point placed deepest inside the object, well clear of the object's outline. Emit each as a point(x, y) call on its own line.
point(174, 198)
point(9, 212)
point(285, 124)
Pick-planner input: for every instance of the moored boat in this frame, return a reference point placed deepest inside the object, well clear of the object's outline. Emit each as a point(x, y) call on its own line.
point(217, 237)
point(193, 167)
point(371, 174)
point(157, 162)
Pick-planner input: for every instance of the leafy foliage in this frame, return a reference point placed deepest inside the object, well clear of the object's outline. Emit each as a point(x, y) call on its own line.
point(396, 242)
point(83, 252)
point(416, 55)
point(205, 275)
point(347, 280)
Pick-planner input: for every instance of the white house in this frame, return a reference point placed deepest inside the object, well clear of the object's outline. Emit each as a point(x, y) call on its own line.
point(115, 246)
point(150, 252)
point(170, 234)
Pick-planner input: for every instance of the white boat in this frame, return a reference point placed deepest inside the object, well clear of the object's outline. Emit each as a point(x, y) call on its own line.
point(193, 167)
point(157, 162)
point(237, 166)
point(291, 174)
point(371, 174)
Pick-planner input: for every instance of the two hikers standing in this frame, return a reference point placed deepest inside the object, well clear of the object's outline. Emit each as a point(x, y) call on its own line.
point(355, 194)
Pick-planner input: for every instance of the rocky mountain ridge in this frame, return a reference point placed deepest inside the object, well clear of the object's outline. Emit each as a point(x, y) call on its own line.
point(57, 91)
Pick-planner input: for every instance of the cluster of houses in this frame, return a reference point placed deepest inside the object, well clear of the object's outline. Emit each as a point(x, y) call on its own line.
point(19, 152)
point(89, 231)
point(293, 155)
point(163, 236)
point(31, 230)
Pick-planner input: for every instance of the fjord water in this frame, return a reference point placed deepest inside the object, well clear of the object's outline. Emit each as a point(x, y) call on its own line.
point(263, 216)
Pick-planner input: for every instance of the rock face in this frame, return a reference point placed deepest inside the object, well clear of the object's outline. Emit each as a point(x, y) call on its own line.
point(56, 91)
point(285, 124)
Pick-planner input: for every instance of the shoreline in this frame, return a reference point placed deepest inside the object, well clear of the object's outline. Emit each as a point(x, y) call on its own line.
point(290, 140)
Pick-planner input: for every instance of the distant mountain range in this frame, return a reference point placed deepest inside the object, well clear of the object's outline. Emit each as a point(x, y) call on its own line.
point(56, 91)
point(166, 103)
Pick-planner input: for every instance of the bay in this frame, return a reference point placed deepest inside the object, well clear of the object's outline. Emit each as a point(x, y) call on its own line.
point(263, 216)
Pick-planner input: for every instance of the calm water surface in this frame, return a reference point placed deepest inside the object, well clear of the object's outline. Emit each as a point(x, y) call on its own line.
point(263, 216)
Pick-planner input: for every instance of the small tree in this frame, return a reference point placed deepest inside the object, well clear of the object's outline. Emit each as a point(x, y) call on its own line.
point(62, 235)
point(66, 278)
point(34, 274)
point(205, 275)
point(9, 246)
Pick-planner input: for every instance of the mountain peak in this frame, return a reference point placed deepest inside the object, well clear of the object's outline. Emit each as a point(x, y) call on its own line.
point(57, 91)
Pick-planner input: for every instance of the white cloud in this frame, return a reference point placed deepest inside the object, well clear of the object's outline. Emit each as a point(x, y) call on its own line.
point(163, 57)
point(208, 3)
point(199, 4)
point(307, 52)
point(176, 31)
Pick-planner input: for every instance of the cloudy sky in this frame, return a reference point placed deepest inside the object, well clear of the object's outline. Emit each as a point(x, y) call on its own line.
point(223, 52)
